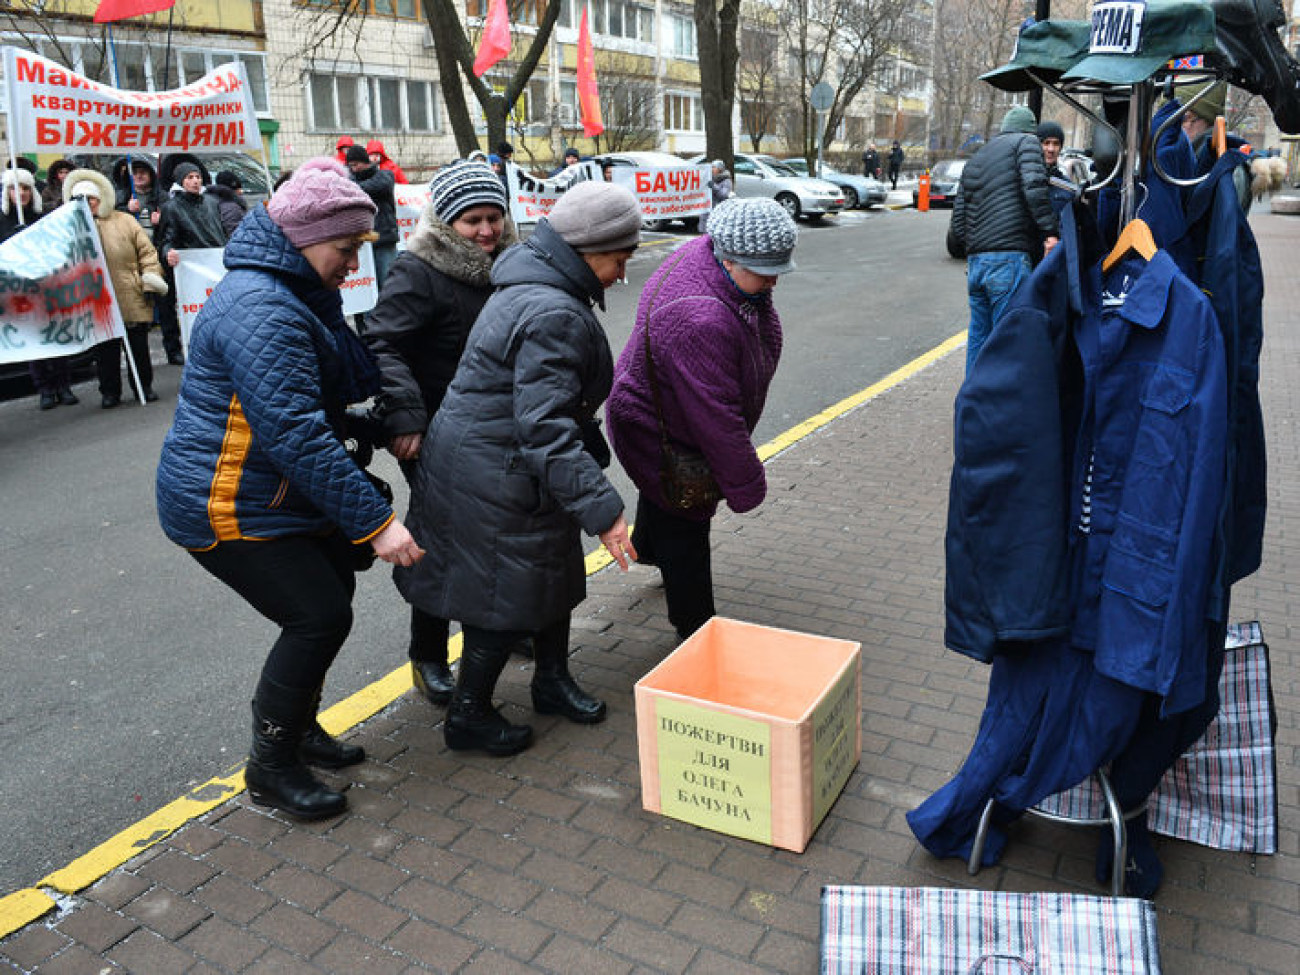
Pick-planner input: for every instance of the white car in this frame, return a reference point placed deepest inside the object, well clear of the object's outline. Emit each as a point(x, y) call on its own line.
point(802, 196)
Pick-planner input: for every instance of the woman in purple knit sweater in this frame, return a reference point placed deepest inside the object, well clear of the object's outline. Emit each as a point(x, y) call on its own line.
point(715, 339)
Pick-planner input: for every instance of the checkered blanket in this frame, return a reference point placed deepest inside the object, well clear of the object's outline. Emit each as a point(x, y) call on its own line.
point(932, 931)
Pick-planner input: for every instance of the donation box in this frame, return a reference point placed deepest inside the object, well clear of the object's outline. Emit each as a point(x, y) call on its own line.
point(750, 730)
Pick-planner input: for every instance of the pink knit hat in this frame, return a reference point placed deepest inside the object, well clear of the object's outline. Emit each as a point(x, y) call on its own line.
point(320, 202)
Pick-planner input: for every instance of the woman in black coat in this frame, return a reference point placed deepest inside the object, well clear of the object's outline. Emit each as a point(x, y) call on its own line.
point(428, 304)
point(506, 483)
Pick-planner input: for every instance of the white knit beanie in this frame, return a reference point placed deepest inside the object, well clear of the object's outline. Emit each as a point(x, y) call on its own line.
point(755, 232)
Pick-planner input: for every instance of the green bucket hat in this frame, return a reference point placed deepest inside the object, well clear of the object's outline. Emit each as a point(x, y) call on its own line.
point(1132, 40)
point(1048, 47)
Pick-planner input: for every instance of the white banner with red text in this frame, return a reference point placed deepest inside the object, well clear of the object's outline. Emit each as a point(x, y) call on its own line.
point(52, 109)
point(667, 194)
point(201, 269)
point(531, 198)
point(411, 201)
point(56, 297)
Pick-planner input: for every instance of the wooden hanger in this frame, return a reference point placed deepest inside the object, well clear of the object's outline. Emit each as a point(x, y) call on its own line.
point(1136, 236)
point(1219, 140)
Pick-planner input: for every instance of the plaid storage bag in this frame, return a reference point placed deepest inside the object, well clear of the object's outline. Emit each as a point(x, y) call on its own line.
point(934, 931)
point(1222, 793)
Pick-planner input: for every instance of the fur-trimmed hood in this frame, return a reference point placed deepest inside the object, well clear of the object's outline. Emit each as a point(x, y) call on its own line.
point(19, 177)
point(439, 246)
point(107, 195)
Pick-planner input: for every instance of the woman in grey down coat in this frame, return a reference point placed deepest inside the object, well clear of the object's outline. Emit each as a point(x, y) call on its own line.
point(431, 297)
point(505, 484)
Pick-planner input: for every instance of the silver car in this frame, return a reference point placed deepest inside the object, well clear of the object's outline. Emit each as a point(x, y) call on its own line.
point(802, 196)
point(859, 191)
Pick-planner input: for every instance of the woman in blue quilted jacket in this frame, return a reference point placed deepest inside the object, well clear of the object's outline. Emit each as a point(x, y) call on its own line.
point(254, 479)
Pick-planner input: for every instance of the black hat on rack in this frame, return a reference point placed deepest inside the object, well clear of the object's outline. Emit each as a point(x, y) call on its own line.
point(1132, 41)
point(1047, 47)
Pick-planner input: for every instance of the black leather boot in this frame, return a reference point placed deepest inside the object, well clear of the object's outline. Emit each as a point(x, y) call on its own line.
point(322, 749)
point(473, 724)
point(554, 689)
point(430, 672)
point(1246, 32)
point(276, 775)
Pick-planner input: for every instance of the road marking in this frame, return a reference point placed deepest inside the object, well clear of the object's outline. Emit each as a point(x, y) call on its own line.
point(24, 906)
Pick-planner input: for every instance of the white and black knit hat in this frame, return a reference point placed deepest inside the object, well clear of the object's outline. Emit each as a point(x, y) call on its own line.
point(456, 188)
point(755, 233)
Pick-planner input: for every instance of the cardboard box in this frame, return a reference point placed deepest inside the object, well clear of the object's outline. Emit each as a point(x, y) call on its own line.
point(750, 730)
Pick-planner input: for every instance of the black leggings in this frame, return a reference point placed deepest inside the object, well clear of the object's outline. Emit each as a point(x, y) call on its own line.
point(301, 583)
point(680, 548)
point(108, 360)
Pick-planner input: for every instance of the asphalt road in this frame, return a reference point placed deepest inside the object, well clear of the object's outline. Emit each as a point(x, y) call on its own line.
point(127, 669)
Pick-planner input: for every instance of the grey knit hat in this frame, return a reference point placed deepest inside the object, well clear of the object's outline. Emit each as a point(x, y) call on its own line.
point(460, 186)
point(755, 232)
point(595, 216)
point(183, 170)
point(1019, 119)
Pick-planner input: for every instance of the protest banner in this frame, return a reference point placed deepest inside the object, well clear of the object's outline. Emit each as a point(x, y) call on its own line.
point(668, 194)
point(411, 201)
point(56, 296)
point(53, 109)
point(201, 269)
point(531, 198)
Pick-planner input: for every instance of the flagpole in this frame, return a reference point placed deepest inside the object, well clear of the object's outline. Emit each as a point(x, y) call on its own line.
point(13, 151)
point(167, 52)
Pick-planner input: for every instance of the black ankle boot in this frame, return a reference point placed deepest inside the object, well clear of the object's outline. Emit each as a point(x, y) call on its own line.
point(473, 724)
point(276, 775)
point(430, 673)
point(434, 680)
point(554, 689)
point(322, 749)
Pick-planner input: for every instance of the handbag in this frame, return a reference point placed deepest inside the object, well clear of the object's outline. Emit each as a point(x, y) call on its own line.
point(684, 475)
point(935, 931)
point(1222, 792)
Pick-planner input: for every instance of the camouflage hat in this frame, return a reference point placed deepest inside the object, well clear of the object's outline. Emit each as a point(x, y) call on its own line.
point(1048, 47)
point(1132, 40)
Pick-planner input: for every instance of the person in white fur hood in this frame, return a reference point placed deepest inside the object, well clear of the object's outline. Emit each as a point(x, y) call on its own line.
point(137, 277)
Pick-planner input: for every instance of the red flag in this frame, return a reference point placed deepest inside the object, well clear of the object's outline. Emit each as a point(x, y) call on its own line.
point(111, 10)
point(588, 99)
point(495, 42)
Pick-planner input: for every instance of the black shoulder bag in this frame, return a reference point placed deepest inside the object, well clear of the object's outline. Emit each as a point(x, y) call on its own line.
point(684, 475)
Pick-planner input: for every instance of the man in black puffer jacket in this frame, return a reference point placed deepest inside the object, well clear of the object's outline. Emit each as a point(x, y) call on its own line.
point(1002, 215)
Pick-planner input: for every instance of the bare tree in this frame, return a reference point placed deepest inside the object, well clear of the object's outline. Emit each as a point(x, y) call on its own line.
point(627, 101)
point(843, 43)
point(759, 80)
point(717, 26)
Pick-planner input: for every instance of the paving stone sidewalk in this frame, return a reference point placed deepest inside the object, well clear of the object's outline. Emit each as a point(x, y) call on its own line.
point(545, 862)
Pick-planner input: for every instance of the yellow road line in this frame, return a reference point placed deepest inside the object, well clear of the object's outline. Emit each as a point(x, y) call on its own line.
point(24, 906)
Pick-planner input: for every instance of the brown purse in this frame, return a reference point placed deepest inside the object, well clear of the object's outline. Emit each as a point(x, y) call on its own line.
point(684, 475)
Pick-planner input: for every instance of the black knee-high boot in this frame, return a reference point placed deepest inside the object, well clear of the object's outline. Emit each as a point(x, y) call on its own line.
point(430, 672)
point(276, 775)
point(321, 748)
point(472, 722)
point(554, 689)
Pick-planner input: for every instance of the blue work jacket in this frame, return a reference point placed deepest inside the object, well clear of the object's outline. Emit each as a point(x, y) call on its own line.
point(1152, 453)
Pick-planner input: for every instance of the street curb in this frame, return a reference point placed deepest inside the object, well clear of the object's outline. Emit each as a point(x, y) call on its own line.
point(26, 905)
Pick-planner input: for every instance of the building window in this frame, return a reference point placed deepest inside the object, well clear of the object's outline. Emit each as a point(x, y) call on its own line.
point(683, 36)
point(683, 113)
point(379, 104)
point(401, 9)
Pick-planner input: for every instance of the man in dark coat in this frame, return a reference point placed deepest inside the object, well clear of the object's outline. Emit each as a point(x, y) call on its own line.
point(871, 161)
point(1001, 215)
point(896, 157)
point(378, 184)
point(228, 191)
point(138, 192)
point(190, 219)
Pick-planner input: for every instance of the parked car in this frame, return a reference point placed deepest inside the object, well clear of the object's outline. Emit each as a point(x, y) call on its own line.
point(802, 196)
point(650, 159)
point(859, 191)
point(945, 179)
